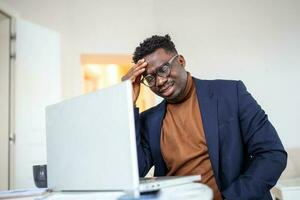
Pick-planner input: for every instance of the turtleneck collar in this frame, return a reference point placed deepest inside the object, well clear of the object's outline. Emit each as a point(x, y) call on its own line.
point(188, 90)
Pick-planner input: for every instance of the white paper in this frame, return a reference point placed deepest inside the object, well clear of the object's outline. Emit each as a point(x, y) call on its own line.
point(22, 193)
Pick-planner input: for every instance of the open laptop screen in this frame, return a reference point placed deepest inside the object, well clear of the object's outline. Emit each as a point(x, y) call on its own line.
point(91, 141)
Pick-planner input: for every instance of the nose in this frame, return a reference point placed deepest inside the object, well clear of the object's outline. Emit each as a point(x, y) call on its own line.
point(160, 81)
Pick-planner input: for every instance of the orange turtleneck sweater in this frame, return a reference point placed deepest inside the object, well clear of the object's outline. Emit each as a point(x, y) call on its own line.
point(183, 144)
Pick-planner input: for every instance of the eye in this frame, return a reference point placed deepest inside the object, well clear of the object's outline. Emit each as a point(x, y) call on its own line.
point(149, 78)
point(164, 68)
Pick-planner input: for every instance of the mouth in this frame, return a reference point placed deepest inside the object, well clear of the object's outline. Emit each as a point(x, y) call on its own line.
point(167, 89)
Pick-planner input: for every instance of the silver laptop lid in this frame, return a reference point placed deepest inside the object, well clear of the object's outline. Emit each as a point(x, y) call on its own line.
point(91, 141)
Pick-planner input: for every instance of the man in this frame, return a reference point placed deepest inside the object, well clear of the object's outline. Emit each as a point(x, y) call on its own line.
point(210, 127)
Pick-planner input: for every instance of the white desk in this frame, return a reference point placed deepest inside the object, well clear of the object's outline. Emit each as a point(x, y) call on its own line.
point(191, 191)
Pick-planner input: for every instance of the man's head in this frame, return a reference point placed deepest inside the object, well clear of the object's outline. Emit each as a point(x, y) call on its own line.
point(165, 68)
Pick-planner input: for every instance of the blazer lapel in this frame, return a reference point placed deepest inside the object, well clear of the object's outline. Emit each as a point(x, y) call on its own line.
point(208, 104)
point(161, 168)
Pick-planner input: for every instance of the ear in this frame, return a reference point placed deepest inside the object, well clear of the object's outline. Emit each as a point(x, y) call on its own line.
point(181, 60)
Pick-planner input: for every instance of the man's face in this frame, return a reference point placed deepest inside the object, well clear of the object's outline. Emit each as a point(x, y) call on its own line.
point(171, 87)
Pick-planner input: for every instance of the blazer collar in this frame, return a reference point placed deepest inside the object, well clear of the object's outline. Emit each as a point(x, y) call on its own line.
point(208, 104)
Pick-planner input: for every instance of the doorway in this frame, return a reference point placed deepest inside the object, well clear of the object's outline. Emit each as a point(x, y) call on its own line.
point(103, 70)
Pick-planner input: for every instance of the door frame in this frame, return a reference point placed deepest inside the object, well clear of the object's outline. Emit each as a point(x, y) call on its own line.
point(11, 97)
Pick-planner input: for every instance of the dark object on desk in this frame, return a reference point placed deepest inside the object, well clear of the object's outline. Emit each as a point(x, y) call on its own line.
point(40, 176)
point(145, 196)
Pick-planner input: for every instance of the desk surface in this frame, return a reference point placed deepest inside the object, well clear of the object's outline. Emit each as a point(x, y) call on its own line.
point(188, 192)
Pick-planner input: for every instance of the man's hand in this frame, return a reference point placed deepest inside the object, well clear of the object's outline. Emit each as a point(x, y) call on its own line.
point(134, 74)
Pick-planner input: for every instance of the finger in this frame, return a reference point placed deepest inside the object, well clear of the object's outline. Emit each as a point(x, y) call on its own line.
point(130, 73)
point(141, 61)
point(143, 64)
point(139, 67)
point(138, 64)
point(137, 75)
point(138, 72)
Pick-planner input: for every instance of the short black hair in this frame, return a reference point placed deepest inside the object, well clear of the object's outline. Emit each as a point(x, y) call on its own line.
point(151, 44)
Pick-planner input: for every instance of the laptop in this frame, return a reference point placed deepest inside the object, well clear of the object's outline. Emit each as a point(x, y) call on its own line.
point(91, 145)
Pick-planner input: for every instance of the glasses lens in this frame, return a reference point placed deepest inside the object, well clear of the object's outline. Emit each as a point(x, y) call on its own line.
point(149, 80)
point(164, 71)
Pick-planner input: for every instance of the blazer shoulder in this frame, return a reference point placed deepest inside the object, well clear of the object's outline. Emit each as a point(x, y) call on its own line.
point(220, 87)
point(221, 83)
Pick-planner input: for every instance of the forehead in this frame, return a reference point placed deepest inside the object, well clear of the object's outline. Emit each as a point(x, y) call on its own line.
point(156, 59)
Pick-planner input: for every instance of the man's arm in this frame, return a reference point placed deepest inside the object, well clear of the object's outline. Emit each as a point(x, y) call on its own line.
point(142, 143)
point(143, 151)
point(264, 148)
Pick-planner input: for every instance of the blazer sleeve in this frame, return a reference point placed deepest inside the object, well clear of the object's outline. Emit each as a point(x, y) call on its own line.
point(142, 143)
point(264, 149)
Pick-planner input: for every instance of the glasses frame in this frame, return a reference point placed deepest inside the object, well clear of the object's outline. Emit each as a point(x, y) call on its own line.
point(157, 72)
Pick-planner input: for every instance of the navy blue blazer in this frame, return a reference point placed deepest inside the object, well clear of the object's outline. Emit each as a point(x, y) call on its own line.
point(246, 153)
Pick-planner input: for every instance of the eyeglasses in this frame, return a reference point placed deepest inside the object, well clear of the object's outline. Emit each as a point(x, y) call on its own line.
point(162, 71)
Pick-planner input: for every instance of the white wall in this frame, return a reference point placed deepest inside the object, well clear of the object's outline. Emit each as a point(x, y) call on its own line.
point(255, 41)
point(93, 26)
